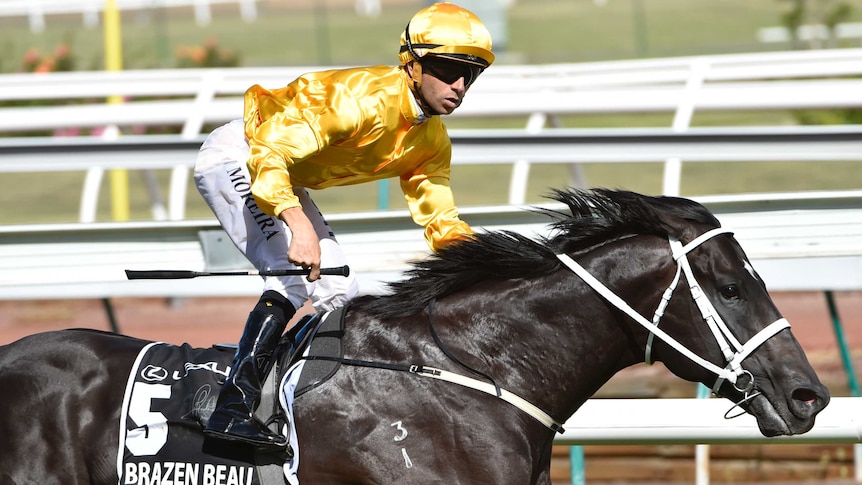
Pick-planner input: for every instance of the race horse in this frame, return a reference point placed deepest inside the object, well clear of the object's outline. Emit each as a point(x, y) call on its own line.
point(464, 371)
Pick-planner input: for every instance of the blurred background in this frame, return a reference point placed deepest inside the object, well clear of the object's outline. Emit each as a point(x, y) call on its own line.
point(278, 33)
point(357, 32)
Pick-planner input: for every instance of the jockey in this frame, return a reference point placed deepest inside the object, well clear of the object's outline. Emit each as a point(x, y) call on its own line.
point(322, 130)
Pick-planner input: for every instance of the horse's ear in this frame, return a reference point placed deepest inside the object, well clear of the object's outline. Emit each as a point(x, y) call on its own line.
point(685, 218)
point(689, 231)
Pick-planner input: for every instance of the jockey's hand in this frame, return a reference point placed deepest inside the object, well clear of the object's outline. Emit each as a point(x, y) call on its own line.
point(304, 250)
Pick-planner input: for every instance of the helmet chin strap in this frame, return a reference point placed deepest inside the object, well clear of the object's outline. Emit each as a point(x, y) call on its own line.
point(416, 74)
point(416, 77)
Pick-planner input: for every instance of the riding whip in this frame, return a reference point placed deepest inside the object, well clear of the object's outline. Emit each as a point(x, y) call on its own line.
point(183, 274)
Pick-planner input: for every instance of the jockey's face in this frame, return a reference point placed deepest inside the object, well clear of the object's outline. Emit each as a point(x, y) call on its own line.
point(442, 97)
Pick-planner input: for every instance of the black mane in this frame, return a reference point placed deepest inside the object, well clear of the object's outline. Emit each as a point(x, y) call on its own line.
point(593, 217)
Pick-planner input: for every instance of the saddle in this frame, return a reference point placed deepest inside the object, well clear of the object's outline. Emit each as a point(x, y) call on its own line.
point(179, 384)
point(315, 335)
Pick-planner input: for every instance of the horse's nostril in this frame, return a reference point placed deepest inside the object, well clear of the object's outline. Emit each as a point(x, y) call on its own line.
point(805, 395)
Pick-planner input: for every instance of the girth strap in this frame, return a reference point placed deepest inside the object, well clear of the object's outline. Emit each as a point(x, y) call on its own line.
point(444, 375)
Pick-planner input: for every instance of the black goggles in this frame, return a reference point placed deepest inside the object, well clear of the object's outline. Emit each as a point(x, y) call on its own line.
point(451, 71)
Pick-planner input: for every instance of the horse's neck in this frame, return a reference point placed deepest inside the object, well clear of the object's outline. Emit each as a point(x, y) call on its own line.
point(557, 340)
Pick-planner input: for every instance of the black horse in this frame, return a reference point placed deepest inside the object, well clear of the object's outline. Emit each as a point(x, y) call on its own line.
point(513, 333)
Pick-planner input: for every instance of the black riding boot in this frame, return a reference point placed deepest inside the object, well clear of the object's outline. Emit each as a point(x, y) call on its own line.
point(233, 418)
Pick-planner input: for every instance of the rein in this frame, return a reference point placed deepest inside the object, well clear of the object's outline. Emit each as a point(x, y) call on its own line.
point(734, 352)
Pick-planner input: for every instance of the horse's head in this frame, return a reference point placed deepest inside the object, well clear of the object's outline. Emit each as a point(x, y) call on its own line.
point(725, 305)
point(713, 320)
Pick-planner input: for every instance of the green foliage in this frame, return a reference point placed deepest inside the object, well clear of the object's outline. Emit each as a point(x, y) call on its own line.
point(60, 59)
point(209, 54)
point(828, 13)
point(829, 117)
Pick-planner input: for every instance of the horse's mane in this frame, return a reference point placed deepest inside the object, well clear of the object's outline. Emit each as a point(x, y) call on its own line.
point(594, 217)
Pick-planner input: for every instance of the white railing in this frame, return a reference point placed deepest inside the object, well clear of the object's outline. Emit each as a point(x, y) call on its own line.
point(194, 98)
point(698, 421)
point(680, 85)
point(519, 148)
point(799, 242)
point(791, 80)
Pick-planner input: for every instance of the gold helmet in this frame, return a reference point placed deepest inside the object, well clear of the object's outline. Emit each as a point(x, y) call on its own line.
point(445, 30)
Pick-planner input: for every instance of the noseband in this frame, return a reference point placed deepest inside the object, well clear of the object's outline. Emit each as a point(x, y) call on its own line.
point(734, 352)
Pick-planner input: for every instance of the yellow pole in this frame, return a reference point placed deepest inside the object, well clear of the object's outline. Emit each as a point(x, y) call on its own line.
point(114, 62)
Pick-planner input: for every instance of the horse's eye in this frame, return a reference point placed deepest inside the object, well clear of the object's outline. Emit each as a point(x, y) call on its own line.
point(730, 291)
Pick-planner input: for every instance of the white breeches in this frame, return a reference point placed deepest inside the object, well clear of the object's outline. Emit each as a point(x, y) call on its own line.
point(222, 177)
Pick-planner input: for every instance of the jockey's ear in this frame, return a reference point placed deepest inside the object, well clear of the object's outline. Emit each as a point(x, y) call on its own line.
point(414, 71)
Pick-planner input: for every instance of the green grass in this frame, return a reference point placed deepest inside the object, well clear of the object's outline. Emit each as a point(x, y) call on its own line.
point(291, 32)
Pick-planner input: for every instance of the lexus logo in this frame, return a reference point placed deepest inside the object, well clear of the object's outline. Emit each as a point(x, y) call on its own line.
point(154, 373)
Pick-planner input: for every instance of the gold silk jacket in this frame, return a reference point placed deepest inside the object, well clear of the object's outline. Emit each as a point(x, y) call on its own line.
point(350, 126)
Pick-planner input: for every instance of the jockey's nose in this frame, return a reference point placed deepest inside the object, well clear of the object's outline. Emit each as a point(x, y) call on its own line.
point(459, 86)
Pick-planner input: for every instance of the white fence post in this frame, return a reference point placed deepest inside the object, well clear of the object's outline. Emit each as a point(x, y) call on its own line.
point(681, 122)
point(90, 11)
point(203, 15)
point(90, 194)
point(248, 10)
point(177, 202)
point(36, 16)
point(521, 168)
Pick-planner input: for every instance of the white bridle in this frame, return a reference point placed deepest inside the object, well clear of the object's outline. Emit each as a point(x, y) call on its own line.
point(734, 352)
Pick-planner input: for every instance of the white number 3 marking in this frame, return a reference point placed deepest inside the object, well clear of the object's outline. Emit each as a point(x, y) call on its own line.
point(399, 427)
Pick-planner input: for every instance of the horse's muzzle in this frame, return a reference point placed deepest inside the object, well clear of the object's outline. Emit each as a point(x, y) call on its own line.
point(793, 415)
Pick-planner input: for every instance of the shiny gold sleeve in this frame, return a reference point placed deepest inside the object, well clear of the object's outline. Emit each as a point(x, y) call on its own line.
point(287, 126)
point(432, 204)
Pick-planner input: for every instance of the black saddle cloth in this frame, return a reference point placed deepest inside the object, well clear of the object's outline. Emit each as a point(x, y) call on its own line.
point(170, 395)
